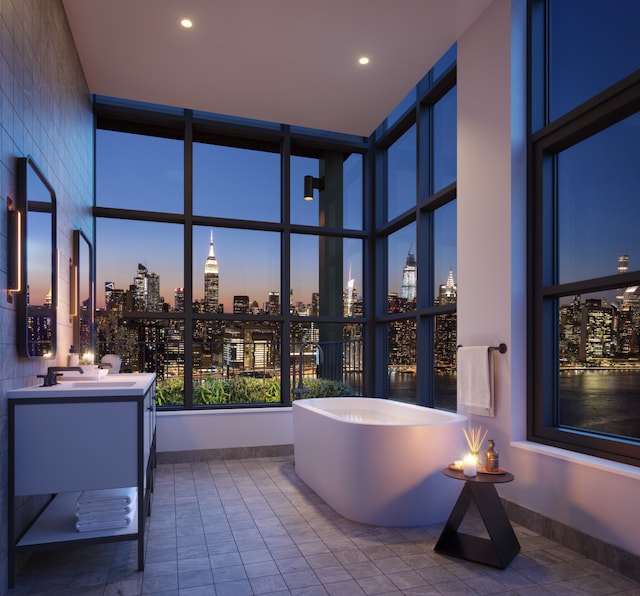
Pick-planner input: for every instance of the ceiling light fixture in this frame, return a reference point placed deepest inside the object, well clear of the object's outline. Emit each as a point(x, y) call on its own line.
point(309, 184)
point(186, 23)
point(363, 60)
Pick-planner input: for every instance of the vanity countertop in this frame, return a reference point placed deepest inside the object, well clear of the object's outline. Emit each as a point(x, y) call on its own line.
point(119, 384)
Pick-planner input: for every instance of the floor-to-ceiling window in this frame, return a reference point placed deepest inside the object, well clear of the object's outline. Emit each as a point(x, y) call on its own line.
point(416, 243)
point(214, 271)
point(585, 276)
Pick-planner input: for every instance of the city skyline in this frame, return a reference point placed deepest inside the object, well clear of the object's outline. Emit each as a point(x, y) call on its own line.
point(209, 278)
point(263, 278)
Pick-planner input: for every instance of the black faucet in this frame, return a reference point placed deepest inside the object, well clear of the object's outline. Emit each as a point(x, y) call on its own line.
point(53, 372)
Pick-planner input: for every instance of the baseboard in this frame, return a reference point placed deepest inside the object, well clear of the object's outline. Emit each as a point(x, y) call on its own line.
point(609, 555)
point(183, 457)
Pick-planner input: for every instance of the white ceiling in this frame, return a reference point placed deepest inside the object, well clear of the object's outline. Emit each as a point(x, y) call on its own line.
point(286, 61)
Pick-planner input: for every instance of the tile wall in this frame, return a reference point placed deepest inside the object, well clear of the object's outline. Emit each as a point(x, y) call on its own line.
point(45, 112)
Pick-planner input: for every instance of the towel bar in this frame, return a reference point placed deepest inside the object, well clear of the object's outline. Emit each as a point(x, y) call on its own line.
point(502, 348)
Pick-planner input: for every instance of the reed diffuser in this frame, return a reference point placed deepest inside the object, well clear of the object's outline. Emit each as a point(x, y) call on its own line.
point(475, 438)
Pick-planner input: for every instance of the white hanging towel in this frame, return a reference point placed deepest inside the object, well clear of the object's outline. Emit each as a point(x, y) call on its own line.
point(475, 380)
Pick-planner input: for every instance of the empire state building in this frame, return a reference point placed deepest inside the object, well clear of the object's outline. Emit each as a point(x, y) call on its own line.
point(211, 280)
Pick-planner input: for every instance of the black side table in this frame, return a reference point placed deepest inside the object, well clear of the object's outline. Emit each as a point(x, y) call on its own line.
point(502, 545)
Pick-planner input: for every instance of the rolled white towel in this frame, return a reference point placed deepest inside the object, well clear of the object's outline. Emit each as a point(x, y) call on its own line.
point(109, 498)
point(109, 515)
point(92, 526)
point(107, 506)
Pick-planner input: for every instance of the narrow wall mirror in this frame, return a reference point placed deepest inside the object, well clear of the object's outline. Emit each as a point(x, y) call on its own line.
point(37, 298)
point(81, 296)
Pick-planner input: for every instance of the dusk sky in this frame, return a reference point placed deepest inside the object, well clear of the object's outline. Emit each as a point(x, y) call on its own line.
point(141, 170)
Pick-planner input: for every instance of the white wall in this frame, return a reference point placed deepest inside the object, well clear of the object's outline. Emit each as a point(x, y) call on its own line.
point(594, 496)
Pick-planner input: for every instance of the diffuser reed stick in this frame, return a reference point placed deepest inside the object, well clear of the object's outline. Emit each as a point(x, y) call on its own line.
point(473, 438)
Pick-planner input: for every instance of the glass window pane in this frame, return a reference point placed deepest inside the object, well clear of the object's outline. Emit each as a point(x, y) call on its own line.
point(445, 253)
point(403, 270)
point(444, 365)
point(593, 44)
point(445, 140)
point(236, 183)
point(139, 265)
point(139, 172)
point(401, 174)
point(326, 359)
point(590, 176)
point(234, 267)
point(339, 203)
point(599, 376)
point(401, 371)
point(145, 345)
point(352, 192)
point(236, 362)
point(304, 212)
point(326, 276)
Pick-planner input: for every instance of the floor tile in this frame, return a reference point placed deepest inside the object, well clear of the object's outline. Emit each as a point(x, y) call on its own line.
point(244, 527)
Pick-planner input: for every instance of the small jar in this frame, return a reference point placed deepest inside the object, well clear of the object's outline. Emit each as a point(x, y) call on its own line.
point(73, 358)
point(491, 458)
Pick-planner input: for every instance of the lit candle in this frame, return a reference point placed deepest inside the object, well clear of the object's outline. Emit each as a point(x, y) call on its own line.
point(470, 464)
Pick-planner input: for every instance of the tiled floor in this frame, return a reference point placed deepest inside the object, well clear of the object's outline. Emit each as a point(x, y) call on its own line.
point(250, 526)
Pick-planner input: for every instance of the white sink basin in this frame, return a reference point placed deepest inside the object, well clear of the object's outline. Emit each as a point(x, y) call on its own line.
point(124, 384)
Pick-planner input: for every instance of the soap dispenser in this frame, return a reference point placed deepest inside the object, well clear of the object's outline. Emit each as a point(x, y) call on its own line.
point(73, 358)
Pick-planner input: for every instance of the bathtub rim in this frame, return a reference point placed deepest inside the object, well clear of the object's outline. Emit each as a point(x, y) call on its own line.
point(309, 404)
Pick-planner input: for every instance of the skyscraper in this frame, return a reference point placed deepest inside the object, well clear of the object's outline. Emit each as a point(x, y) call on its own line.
point(623, 267)
point(409, 278)
point(350, 295)
point(140, 289)
point(240, 304)
point(155, 301)
point(146, 289)
point(448, 293)
point(178, 300)
point(211, 279)
point(273, 305)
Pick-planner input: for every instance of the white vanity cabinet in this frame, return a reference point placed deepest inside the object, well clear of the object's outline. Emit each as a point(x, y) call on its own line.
point(74, 437)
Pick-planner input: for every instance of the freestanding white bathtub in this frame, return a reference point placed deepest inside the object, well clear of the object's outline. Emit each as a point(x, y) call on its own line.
point(378, 461)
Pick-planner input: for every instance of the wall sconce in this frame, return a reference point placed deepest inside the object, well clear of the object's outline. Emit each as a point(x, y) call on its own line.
point(73, 289)
point(309, 184)
point(14, 248)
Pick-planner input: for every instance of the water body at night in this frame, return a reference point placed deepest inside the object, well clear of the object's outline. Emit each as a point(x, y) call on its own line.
point(604, 401)
point(402, 386)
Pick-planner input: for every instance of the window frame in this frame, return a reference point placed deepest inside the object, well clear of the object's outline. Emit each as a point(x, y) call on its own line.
point(547, 139)
point(189, 127)
point(430, 91)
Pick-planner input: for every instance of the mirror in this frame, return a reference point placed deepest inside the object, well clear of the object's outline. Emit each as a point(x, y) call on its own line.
point(37, 294)
point(81, 296)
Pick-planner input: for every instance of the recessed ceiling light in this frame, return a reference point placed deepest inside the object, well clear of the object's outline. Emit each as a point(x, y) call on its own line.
point(363, 60)
point(186, 23)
